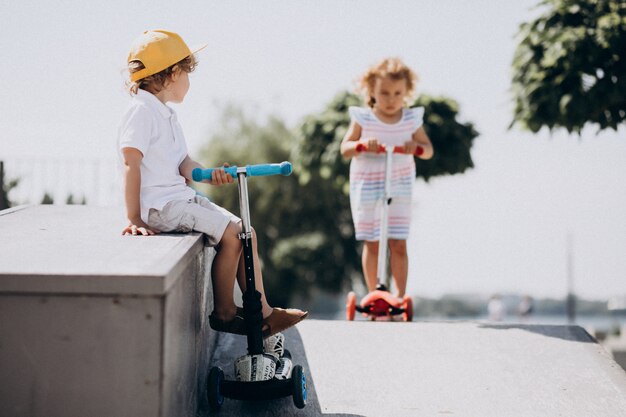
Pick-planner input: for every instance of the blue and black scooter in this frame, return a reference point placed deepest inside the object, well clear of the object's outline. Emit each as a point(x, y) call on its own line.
point(275, 384)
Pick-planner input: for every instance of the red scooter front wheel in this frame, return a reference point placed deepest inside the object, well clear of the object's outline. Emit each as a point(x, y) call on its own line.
point(407, 306)
point(350, 306)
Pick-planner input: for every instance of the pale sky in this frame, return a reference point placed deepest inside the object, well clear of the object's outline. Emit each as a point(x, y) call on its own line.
point(500, 227)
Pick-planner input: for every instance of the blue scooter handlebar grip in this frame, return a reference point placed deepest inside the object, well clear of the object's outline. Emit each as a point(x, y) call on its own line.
point(200, 174)
point(284, 168)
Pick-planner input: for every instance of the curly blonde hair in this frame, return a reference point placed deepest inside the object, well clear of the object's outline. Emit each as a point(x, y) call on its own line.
point(393, 68)
point(157, 82)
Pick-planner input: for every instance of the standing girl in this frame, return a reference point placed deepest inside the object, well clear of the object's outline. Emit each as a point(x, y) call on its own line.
point(388, 86)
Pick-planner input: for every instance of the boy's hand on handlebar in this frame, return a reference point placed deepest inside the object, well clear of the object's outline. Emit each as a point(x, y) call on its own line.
point(220, 177)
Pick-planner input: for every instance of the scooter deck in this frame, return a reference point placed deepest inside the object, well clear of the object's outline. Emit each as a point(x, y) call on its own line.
point(219, 388)
point(381, 295)
point(256, 391)
point(379, 303)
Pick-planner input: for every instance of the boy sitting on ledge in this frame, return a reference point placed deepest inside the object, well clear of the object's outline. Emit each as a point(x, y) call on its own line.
point(156, 165)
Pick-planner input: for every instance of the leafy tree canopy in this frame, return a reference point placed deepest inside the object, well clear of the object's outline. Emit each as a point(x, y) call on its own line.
point(569, 68)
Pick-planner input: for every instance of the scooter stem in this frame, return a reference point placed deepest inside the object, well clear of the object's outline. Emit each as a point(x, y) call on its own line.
point(251, 297)
point(244, 205)
point(384, 225)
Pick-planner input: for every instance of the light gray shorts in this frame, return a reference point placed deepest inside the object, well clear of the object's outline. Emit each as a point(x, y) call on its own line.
point(197, 214)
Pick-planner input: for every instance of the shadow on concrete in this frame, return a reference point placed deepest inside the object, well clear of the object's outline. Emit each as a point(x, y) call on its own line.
point(229, 347)
point(569, 333)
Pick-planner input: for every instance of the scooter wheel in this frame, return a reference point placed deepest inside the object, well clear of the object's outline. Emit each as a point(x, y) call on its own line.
point(298, 386)
point(407, 306)
point(214, 388)
point(351, 306)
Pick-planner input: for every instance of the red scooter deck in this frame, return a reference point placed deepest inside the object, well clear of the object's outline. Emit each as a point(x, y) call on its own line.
point(379, 303)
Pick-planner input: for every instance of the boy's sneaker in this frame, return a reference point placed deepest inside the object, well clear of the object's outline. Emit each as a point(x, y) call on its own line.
point(284, 367)
point(254, 368)
point(275, 345)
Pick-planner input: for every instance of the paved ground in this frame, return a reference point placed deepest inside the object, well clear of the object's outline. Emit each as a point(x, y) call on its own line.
point(442, 369)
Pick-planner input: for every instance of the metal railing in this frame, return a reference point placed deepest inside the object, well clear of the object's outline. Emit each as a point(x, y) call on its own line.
point(94, 181)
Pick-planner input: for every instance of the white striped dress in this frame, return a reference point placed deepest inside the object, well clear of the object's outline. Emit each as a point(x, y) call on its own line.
point(367, 175)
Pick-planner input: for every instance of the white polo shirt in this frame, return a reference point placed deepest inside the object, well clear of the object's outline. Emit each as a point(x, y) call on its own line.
point(152, 127)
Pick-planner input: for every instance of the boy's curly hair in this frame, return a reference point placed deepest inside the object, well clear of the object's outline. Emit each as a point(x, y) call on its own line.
point(393, 68)
point(157, 82)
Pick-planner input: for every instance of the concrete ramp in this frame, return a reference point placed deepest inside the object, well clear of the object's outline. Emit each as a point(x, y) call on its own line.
point(442, 369)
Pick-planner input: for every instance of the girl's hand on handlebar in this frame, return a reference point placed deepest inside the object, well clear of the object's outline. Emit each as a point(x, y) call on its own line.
point(412, 148)
point(220, 177)
point(370, 145)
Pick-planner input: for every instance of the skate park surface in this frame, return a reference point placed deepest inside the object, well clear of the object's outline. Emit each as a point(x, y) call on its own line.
point(97, 324)
point(366, 368)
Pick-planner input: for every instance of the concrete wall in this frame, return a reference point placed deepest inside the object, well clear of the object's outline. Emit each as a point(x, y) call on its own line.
point(98, 324)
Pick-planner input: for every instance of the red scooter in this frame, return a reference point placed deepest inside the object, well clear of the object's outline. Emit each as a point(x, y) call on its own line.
point(380, 302)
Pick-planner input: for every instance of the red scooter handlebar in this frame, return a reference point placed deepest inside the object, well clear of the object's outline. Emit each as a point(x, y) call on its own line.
point(361, 147)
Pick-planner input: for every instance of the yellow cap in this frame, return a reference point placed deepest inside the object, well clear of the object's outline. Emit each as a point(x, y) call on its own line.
point(157, 50)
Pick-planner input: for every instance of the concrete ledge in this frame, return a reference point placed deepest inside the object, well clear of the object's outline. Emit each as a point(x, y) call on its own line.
point(75, 249)
point(99, 324)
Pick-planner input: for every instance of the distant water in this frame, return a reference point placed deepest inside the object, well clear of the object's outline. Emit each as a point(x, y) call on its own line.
point(597, 322)
point(604, 323)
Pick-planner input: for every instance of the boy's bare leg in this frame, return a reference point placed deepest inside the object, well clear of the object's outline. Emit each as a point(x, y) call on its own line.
point(224, 271)
point(399, 264)
point(258, 277)
point(369, 260)
point(274, 319)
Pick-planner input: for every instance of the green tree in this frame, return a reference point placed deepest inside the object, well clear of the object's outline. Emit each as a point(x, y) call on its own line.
point(569, 68)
